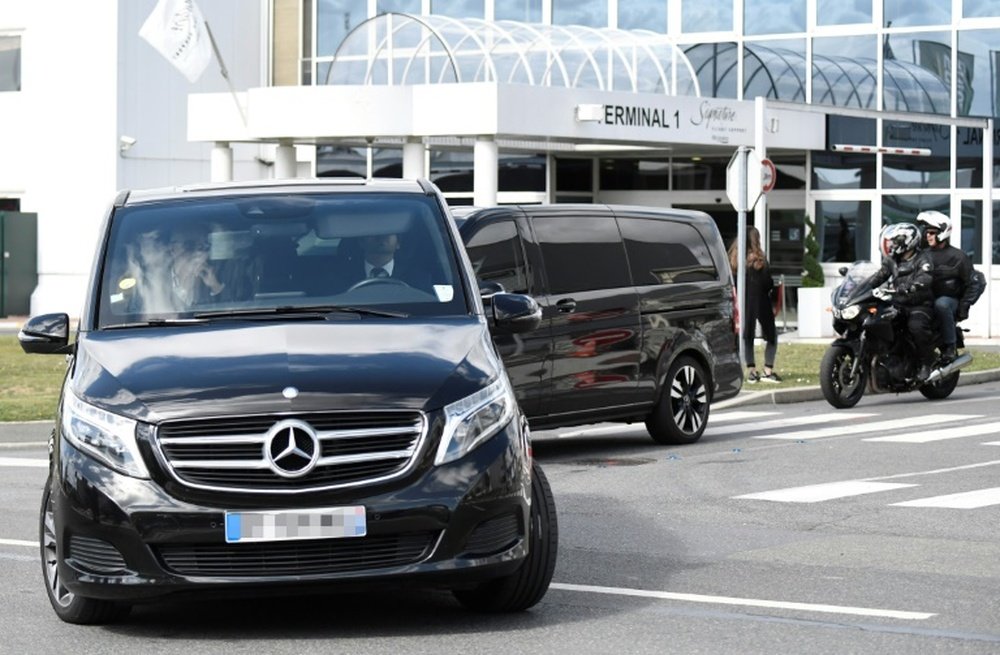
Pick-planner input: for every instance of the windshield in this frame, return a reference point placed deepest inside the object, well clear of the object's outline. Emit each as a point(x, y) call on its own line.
point(227, 257)
point(855, 281)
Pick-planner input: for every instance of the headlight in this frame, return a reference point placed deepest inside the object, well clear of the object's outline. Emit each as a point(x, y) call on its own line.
point(108, 438)
point(474, 419)
point(851, 312)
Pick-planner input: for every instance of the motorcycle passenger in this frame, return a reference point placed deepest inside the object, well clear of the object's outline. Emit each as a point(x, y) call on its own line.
point(955, 287)
point(910, 273)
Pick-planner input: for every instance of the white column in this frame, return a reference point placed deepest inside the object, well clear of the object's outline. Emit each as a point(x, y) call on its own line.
point(484, 174)
point(988, 235)
point(222, 162)
point(284, 160)
point(414, 155)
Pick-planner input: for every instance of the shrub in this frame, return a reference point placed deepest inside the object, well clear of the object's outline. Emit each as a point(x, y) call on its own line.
point(812, 271)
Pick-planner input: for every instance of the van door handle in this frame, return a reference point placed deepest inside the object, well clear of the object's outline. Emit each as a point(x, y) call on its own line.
point(566, 306)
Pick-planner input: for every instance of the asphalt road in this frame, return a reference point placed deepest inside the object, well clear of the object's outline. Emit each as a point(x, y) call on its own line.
point(787, 529)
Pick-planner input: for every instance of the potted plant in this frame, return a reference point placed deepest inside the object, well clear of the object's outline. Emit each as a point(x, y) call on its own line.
point(813, 298)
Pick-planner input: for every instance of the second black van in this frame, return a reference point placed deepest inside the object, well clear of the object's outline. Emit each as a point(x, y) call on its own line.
point(638, 313)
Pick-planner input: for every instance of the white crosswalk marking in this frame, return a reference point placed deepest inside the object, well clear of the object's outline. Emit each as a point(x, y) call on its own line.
point(966, 500)
point(736, 415)
point(927, 436)
point(876, 426)
point(18, 461)
point(777, 424)
point(816, 493)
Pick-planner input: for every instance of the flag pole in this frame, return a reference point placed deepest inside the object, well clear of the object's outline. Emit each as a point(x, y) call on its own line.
point(224, 72)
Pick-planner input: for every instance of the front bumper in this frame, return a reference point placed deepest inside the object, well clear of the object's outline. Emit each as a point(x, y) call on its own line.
point(126, 539)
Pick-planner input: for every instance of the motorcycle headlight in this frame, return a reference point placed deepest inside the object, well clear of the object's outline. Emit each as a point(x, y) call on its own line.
point(108, 438)
point(850, 312)
point(474, 419)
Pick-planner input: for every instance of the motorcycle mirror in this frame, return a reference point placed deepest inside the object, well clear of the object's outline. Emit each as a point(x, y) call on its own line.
point(842, 270)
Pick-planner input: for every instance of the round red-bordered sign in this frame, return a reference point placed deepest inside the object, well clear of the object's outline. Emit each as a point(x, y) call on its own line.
point(768, 175)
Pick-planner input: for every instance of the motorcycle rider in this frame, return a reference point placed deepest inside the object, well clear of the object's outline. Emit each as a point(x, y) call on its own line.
point(910, 273)
point(955, 286)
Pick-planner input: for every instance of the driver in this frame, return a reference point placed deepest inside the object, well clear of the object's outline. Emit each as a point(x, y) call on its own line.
point(910, 273)
point(380, 261)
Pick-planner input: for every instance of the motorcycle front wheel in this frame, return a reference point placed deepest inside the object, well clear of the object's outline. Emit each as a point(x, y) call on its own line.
point(839, 388)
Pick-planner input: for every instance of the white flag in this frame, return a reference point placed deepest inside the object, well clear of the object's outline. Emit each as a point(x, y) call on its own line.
point(177, 30)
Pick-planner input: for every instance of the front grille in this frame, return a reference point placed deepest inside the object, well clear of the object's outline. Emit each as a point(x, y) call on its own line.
point(318, 557)
point(494, 536)
point(95, 555)
point(232, 454)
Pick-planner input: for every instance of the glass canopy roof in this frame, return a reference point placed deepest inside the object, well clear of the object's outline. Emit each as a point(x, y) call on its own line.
point(405, 49)
point(394, 48)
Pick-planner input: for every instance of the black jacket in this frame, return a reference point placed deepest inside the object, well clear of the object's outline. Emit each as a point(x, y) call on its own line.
point(912, 279)
point(953, 275)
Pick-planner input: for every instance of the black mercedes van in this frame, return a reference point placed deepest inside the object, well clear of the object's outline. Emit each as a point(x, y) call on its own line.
point(638, 313)
point(288, 386)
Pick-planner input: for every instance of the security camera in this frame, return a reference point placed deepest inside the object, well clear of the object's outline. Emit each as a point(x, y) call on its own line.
point(125, 142)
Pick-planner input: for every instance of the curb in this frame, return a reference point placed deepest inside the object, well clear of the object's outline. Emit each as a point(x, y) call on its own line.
point(802, 394)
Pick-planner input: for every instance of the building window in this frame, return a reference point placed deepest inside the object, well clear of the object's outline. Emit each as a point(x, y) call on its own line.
point(916, 172)
point(397, 6)
point(831, 170)
point(574, 175)
point(904, 209)
point(775, 69)
point(715, 66)
point(979, 69)
point(699, 173)
point(980, 8)
point(701, 16)
point(917, 71)
point(845, 70)
point(969, 158)
point(643, 15)
point(844, 229)
point(338, 161)
point(774, 16)
point(972, 230)
point(635, 174)
point(458, 8)
point(591, 13)
point(525, 11)
point(10, 63)
point(838, 12)
point(334, 19)
point(903, 13)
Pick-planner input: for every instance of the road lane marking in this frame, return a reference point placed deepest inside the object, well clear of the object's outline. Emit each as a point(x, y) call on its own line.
point(877, 426)
point(18, 542)
point(784, 423)
point(21, 461)
point(24, 444)
point(965, 500)
point(746, 602)
point(816, 493)
point(950, 469)
point(927, 436)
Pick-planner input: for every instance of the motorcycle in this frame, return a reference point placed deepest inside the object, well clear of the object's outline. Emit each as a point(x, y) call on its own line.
point(875, 351)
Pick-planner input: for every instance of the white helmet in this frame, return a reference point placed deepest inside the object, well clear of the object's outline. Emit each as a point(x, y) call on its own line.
point(936, 221)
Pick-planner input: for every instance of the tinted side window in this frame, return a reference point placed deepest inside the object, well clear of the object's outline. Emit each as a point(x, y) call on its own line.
point(581, 253)
point(496, 255)
point(663, 252)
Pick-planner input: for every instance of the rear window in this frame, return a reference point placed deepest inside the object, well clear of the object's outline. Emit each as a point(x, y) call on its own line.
point(666, 252)
point(178, 258)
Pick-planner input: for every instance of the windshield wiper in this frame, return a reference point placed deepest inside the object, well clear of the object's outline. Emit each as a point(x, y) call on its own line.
point(155, 322)
point(305, 311)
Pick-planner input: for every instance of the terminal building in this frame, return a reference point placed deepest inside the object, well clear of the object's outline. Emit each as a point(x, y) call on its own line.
point(871, 111)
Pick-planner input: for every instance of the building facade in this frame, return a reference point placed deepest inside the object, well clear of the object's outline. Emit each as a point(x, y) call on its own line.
point(582, 100)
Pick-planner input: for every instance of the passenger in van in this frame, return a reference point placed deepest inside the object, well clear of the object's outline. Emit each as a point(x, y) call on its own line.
point(193, 279)
point(758, 307)
point(380, 260)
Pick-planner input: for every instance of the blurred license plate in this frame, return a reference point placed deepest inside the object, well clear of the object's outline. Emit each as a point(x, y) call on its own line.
point(284, 525)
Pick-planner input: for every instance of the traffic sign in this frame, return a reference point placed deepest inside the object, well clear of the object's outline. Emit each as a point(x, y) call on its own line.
point(745, 166)
point(768, 175)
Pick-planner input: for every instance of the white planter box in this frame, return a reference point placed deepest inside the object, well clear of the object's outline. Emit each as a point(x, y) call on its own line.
point(814, 317)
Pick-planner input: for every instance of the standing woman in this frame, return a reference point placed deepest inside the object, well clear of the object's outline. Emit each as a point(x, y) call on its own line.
point(758, 306)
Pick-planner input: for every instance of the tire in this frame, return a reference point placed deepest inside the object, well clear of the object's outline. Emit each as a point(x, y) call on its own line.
point(839, 389)
point(68, 606)
point(681, 413)
point(940, 389)
point(526, 586)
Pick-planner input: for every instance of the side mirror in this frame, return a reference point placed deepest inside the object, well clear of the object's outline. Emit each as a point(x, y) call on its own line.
point(842, 270)
point(513, 313)
point(487, 288)
point(45, 334)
